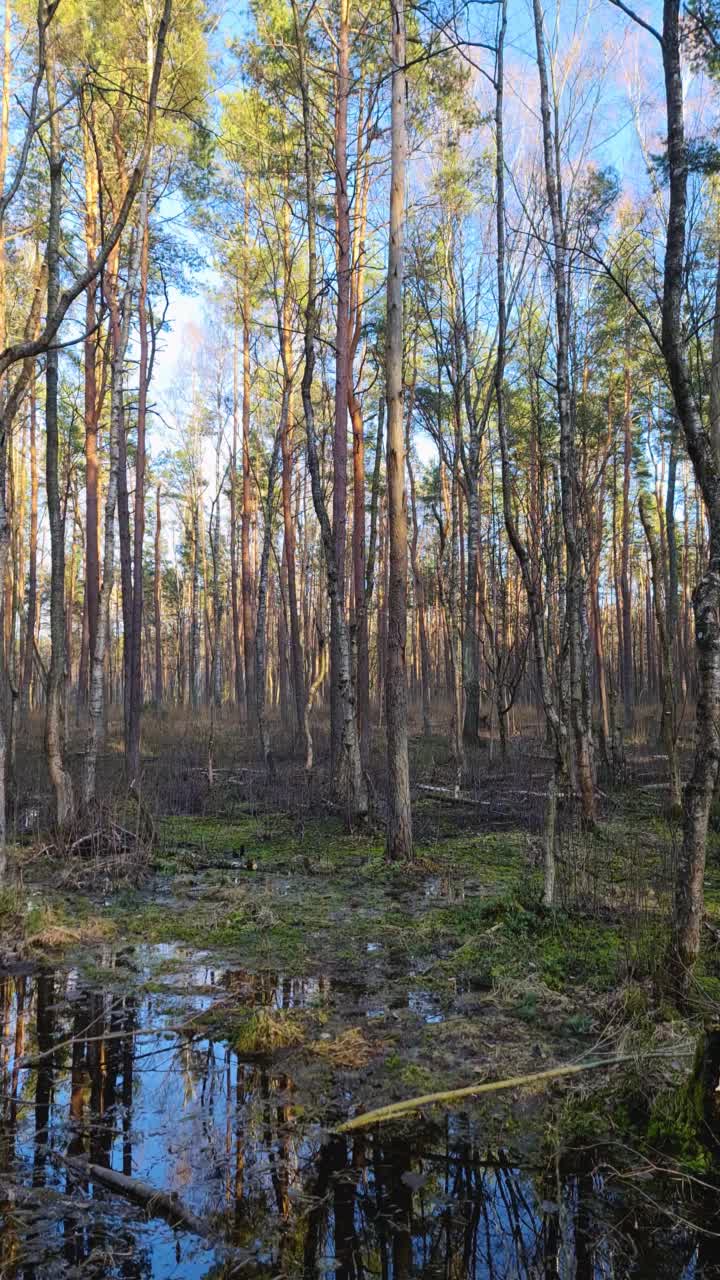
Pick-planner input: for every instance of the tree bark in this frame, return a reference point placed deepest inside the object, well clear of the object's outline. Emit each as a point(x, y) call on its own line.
point(261, 628)
point(668, 716)
point(528, 569)
point(349, 780)
point(342, 327)
point(132, 757)
point(574, 589)
point(248, 585)
point(688, 897)
point(56, 684)
point(92, 550)
point(399, 842)
point(628, 676)
point(157, 598)
point(32, 563)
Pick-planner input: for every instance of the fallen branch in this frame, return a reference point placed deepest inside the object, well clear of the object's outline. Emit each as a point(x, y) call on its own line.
point(397, 1109)
point(448, 793)
point(157, 1203)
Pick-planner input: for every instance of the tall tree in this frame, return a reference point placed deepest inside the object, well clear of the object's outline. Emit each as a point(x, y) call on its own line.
point(399, 829)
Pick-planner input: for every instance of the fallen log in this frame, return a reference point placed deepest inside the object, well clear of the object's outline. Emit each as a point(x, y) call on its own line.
point(158, 1204)
point(396, 1110)
point(449, 793)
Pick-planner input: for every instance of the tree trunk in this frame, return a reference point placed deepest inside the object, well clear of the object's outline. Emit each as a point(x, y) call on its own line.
point(419, 587)
point(554, 721)
point(92, 565)
point(360, 602)
point(248, 586)
point(286, 445)
point(574, 588)
point(715, 371)
point(349, 780)
point(627, 638)
point(688, 900)
point(32, 563)
point(261, 629)
point(234, 592)
point(342, 327)
point(668, 718)
point(132, 757)
point(56, 684)
point(157, 595)
point(399, 827)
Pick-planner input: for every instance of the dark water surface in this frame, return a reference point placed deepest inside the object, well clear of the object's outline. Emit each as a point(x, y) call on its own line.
point(98, 1069)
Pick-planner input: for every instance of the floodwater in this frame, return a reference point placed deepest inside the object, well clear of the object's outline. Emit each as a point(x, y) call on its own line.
point(103, 1069)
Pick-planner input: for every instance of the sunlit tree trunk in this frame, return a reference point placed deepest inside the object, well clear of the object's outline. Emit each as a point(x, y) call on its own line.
point(342, 326)
point(56, 683)
point(361, 604)
point(248, 585)
point(574, 587)
point(349, 779)
point(399, 843)
point(132, 758)
point(92, 566)
point(668, 715)
point(628, 675)
point(528, 571)
point(157, 598)
point(26, 682)
point(688, 898)
point(261, 637)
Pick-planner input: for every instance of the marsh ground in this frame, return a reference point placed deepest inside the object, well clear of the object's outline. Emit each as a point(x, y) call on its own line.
point(207, 1021)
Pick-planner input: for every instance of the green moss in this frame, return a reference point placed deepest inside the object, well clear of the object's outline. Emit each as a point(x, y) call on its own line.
point(418, 1079)
point(677, 1120)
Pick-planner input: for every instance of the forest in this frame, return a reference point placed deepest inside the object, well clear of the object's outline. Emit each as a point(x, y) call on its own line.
point(359, 639)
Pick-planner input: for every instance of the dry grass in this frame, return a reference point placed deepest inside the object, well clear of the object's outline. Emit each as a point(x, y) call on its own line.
point(51, 933)
point(269, 1030)
point(349, 1051)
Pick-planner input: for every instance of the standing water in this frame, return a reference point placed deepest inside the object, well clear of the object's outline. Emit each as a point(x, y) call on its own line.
point(108, 1073)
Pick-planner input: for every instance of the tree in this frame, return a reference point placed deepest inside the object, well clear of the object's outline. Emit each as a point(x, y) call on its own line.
point(399, 830)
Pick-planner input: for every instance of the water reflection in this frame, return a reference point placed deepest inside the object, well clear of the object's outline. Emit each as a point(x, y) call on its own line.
point(100, 1073)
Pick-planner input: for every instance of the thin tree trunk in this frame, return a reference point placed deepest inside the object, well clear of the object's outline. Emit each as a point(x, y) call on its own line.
point(688, 899)
point(234, 592)
point(555, 724)
point(157, 596)
point(668, 719)
point(96, 707)
point(132, 758)
point(261, 629)
point(56, 684)
point(92, 565)
point(342, 327)
point(32, 562)
point(349, 780)
point(248, 586)
point(286, 445)
point(628, 674)
point(361, 604)
point(399, 842)
point(419, 587)
point(574, 588)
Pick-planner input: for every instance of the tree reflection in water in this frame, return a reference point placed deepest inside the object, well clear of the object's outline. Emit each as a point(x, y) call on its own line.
point(82, 1075)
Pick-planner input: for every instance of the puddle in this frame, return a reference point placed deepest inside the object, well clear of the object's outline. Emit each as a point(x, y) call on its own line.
point(425, 1005)
point(96, 1070)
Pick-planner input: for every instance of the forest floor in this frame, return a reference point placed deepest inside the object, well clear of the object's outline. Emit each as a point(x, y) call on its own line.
point(277, 938)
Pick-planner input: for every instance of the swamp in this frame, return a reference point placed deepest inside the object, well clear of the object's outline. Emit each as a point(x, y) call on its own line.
point(359, 639)
point(203, 1017)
